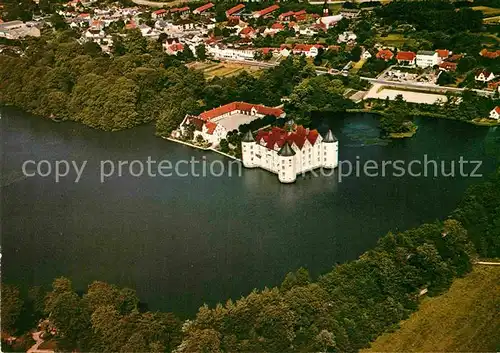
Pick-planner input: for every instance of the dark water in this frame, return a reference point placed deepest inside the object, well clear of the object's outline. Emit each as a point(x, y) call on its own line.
point(183, 241)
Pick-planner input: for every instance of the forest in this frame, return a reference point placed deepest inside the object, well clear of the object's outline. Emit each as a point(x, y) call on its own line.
point(60, 78)
point(341, 311)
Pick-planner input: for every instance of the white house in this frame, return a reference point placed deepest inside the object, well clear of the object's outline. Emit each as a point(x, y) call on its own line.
point(220, 51)
point(495, 113)
point(484, 76)
point(289, 152)
point(330, 21)
point(347, 37)
point(366, 55)
point(427, 58)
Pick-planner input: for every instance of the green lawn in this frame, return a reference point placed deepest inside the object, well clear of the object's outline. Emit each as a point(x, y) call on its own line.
point(464, 319)
point(395, 40)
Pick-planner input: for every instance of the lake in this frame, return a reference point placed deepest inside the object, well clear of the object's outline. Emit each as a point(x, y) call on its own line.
point(184, 241)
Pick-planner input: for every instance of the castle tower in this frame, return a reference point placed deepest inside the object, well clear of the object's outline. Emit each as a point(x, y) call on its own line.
point(330, 147)
point(286, 164)
point(247, 150)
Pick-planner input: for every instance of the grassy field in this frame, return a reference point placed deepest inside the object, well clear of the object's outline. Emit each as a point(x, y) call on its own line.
point(211, 69)
point(395, 40)
point(358, 66)
point(464, 319)
point(487, 11)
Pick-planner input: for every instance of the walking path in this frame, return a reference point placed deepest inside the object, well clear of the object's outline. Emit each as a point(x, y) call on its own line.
point(39, 341)
point(488, 263)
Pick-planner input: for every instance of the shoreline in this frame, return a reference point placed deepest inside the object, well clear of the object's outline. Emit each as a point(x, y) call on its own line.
point(211, 149)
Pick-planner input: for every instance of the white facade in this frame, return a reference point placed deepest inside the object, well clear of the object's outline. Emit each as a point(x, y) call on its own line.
point(289, 160)
point(221, 52)
point(495, 114)
point(427, 59)
point(484, 76)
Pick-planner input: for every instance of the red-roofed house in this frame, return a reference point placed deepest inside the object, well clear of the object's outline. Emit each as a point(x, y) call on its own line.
point(265, 12)
point(406, 57)
point(309, 50)
point(203, 8)
point(443, 54)
point(158, 14)
point(286, 16)
point(174, 49)
point(275, 28)
point(448, 66)
point(235, 11)
point(385, 54)
point(484, 76)
point(180, 10)
point(489, 54)
point(247, 32)
point(495, 113)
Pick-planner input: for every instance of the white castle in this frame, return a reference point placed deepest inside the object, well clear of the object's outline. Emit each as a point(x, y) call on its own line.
point(288, 152)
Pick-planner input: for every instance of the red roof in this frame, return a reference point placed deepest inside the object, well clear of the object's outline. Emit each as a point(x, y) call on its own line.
point(180, 9)
point(489, 54)
point(385, 54)
point(247, 30)
point(84, 15)
point(159, 12)
point(210, 127)
point(497, 109)
point(277, 25)
point(235, 9)
point(268, 10)
point(204, 7)
point(278, 136)
point(267, 50)
point(176, 47)
point(247, 107)
point(305, 47)
point(286, 14)
point(301, 12)
point(443, 53)
point(406, 55)
point(448, 66)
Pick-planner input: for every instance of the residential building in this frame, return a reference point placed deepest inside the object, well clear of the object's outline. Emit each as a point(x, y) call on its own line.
point(385, 54)
point(448, 66)
point(266, 12)
point(235, 11)
point(406, 58)
point(347, 37)
point(489, 54)
point(495, 113)
point(220, 51)
point(427, 58)
point(289, 152)
point(158, 14)
point(203, 9)
point(484, 76)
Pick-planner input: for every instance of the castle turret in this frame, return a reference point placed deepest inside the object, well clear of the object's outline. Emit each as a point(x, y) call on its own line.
point(247, 150)
point(330, 146)
point(286, 166)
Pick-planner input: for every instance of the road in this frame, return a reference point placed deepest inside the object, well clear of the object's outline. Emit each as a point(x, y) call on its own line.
point(425, 86)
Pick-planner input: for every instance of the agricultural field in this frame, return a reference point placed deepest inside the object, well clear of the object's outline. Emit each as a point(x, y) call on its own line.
point(487, 11)
point(395, 40)
point(213, 69)
point(464, 319)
